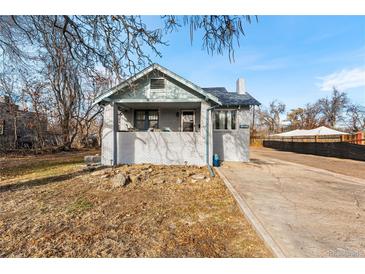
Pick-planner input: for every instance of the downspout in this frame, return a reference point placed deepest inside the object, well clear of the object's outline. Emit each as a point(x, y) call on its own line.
point(207, 140)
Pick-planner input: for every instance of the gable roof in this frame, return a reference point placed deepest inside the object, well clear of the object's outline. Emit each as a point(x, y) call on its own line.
point(164, 70)
point(231, 98)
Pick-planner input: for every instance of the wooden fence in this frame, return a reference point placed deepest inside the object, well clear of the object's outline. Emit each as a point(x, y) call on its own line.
point(357, 138)
point(335, 149)
point(343, 146)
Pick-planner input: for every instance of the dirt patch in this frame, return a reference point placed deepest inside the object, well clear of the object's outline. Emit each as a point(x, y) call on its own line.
point(163, 211)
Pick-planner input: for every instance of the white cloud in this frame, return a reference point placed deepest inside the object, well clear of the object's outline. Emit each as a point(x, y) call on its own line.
point(344, 79)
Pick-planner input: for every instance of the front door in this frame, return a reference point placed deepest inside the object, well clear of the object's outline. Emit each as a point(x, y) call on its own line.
point(188, 120)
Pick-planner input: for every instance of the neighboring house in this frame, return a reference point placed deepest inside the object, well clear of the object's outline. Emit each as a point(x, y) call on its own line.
point(159, 117)
point(19, 128)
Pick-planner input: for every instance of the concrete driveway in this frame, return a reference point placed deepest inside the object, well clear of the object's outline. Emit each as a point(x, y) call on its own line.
point(302, 211)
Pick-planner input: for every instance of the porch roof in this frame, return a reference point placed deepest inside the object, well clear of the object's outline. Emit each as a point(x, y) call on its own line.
point(153, 105)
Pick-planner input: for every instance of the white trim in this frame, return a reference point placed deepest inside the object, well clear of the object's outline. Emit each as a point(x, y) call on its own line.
point(147, 118)
point(228, 129)
point(157, 101)
point(181, 119)
point(103, 97)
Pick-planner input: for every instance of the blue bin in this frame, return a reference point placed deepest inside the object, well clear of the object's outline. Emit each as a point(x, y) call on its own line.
point(215, 160)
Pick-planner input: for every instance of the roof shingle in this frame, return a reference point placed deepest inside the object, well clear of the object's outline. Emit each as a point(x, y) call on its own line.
point(231, 98)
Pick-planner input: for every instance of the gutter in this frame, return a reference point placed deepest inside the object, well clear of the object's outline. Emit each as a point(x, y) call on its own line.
point(207, 139)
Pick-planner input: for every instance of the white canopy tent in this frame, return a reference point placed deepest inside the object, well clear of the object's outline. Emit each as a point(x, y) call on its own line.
point(319, 131)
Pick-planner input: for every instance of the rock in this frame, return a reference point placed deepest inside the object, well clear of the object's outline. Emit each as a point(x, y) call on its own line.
point(90, 168)
point(158, 181)
point(134, 178)
point(207, 180)
point(198, 177)
point(100, 172)
point(150, 170)
point(107, 175)
point(120, 180)
point(94, 159)
point(179, 181)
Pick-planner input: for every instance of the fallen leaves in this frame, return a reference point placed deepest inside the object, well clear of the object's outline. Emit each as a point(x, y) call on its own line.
point(159, 213)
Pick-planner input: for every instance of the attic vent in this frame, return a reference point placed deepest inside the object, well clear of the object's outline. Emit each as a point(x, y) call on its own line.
point(157, 83)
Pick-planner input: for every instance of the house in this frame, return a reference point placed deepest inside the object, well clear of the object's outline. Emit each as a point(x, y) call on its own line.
point(158, 117)
point(19, 128)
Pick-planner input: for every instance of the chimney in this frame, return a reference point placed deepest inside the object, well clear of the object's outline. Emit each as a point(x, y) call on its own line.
point(240, 86)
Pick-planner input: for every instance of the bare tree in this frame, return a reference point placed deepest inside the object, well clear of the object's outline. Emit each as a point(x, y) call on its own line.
point(296, 117)
point(219, 32)
point(33, 91)
point(271, 117)
point(65, 86)
point(332, 108)
point(324, 112)
point(307, 117)
point(119, 43)
point(89, 119)
point(356, 117)
point(63, 55)
point(8, 90)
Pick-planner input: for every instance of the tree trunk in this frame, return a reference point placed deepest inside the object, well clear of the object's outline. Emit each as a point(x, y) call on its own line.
point(15, 132)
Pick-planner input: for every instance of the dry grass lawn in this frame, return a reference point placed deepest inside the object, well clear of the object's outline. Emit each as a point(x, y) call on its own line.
point(51, 207)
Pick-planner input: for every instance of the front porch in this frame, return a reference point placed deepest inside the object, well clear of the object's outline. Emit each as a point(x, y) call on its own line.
point(159, 117)
point(157, 133)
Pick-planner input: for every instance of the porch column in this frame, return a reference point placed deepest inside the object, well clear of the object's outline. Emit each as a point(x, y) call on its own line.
point(109, 132)
point(203, 132)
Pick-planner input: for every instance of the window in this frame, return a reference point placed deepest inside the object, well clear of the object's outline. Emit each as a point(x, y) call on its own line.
point(225, 119)
point(188, 120)
point(2, 123)
point(157, 83)
point(145, 119)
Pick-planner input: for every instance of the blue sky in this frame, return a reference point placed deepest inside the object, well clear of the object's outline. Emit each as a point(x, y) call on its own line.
point(295, 59)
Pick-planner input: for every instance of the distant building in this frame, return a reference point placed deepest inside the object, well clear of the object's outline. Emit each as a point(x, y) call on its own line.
point(20, 128)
